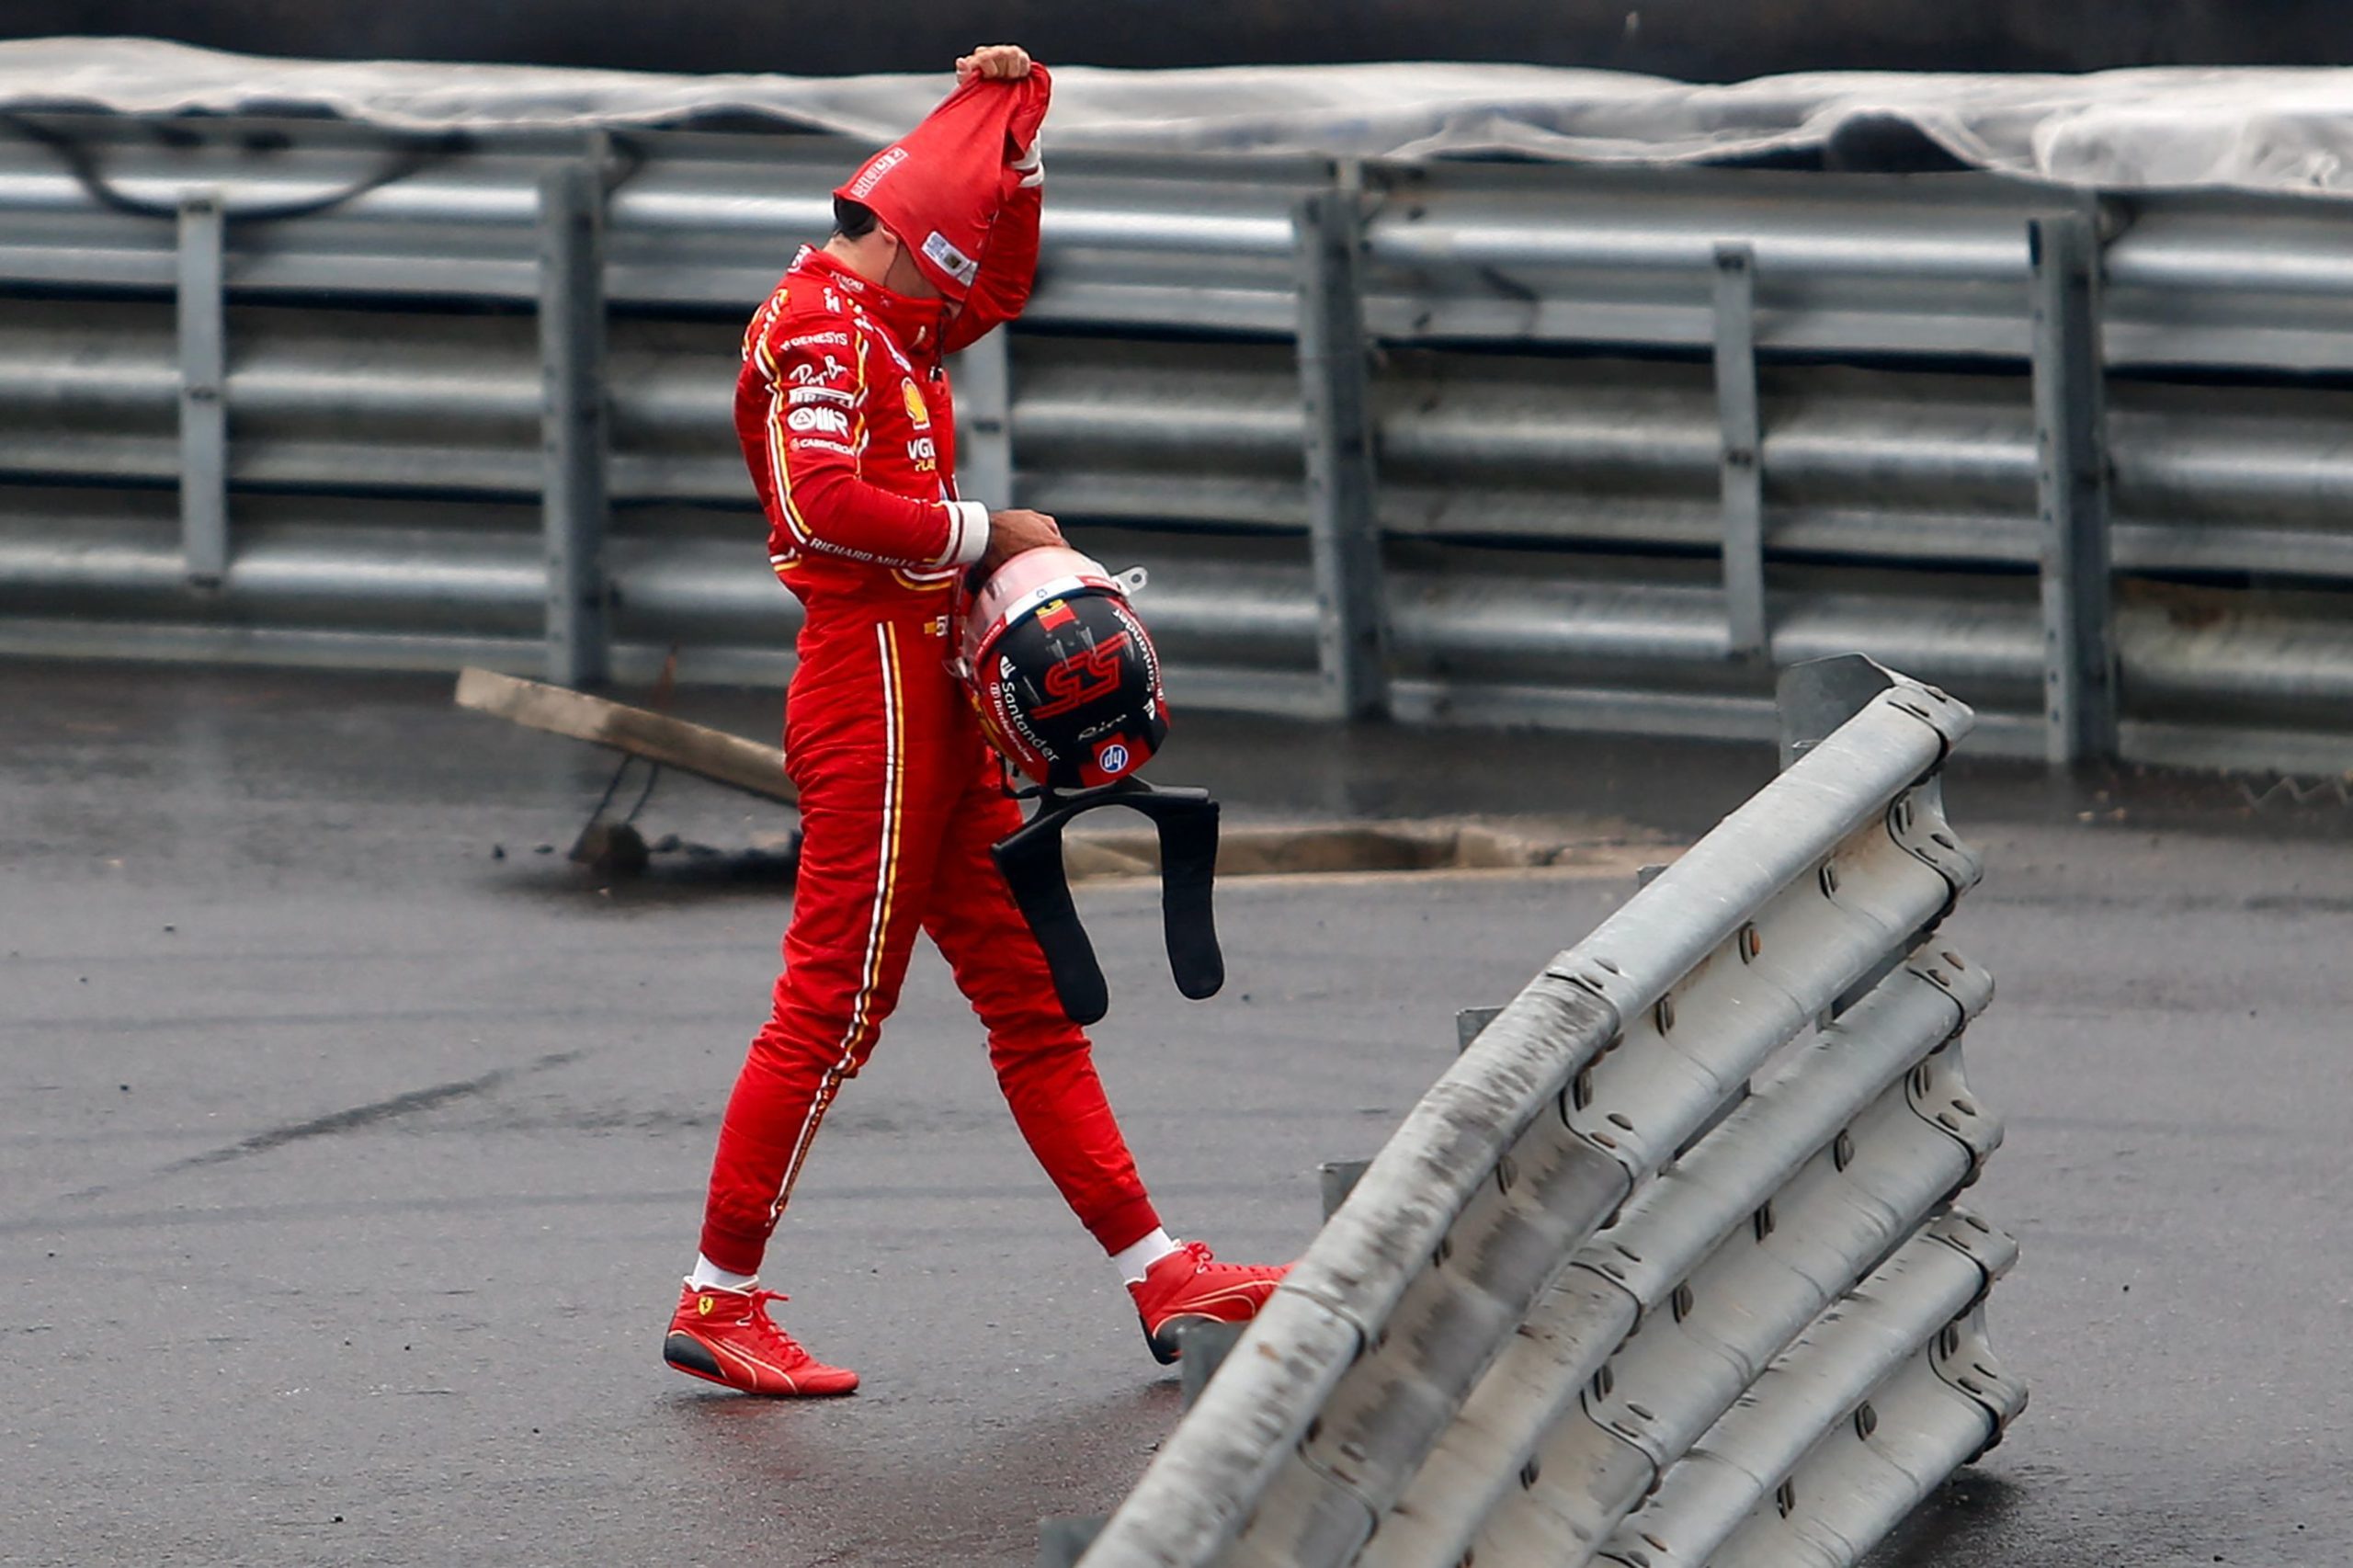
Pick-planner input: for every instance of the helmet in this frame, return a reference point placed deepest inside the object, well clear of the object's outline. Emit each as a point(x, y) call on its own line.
point(1064, 676)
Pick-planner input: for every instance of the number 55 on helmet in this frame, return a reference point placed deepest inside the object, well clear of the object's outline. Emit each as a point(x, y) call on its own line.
point(1064, 676)
point(1067, 685)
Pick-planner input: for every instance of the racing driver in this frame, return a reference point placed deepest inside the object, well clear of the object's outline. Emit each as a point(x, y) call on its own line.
point(844, 411)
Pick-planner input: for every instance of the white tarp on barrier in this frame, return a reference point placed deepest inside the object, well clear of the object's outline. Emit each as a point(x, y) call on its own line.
point(2255, 129)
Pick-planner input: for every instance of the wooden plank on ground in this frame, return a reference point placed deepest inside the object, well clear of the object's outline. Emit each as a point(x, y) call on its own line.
point(697, 749)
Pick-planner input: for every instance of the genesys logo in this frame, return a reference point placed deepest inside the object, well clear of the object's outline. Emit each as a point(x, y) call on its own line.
point(818, 421)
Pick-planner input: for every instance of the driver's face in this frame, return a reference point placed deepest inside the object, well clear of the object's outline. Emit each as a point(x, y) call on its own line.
point(902, 276)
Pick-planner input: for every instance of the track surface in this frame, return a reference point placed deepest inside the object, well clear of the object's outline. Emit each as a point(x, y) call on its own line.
point(346, 1171)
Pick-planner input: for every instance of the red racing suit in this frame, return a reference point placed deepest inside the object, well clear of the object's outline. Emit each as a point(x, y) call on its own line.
point(844, 411)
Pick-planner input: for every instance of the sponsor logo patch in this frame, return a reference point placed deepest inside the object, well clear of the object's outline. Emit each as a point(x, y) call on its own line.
point(873, 174)
point(1006, 703)
point(832, 420)
point(951, 260)
point(918, 410)
point(805, 374)
point(799, 395)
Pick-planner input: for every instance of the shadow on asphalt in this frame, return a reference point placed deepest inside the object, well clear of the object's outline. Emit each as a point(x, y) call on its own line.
point(701, 873)
point(963, 1502)
point(1972, 1520)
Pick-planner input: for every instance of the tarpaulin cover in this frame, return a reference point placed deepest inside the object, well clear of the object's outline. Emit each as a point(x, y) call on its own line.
point(2254, 128)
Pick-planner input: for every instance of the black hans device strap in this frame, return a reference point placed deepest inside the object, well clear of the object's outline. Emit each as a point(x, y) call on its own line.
point(1031, 861)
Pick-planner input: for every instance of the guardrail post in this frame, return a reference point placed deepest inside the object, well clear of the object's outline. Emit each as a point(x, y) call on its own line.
point(1204, 1345)
point(1344, 529)
point(1813, 699)
point(2071, 449)
point(204, 417)
point(1337, 1178)
point(1469, 1023)
point(573, 422)
point(983, 380)
point(1742, 463)
point(1062, 1542)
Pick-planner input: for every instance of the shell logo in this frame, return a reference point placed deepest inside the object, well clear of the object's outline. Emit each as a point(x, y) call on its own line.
point(918, 410)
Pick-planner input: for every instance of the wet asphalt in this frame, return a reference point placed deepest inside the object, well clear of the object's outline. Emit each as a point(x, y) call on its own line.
point(350, 1148)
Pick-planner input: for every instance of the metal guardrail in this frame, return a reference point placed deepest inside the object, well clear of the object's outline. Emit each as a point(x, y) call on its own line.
point(1597, 1300)
point(1627, 441)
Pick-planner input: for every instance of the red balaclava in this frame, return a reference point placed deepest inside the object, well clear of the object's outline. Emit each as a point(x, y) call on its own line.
point(939, 186)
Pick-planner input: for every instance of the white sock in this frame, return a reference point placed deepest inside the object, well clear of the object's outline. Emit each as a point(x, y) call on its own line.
point(707, 1273)
point(1133, 1262)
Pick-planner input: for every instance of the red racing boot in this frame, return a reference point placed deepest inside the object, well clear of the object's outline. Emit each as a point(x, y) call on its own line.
point(727, 1338)
point(1189, 1286)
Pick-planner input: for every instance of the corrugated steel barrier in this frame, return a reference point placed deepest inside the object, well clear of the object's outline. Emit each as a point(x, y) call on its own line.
point(287, 390)
point(1597, 1300)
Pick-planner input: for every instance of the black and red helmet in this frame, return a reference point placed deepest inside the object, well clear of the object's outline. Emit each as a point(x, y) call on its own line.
point(1064, 676)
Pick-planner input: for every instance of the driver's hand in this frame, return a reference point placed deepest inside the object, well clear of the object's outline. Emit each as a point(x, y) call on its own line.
point(995, 62)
